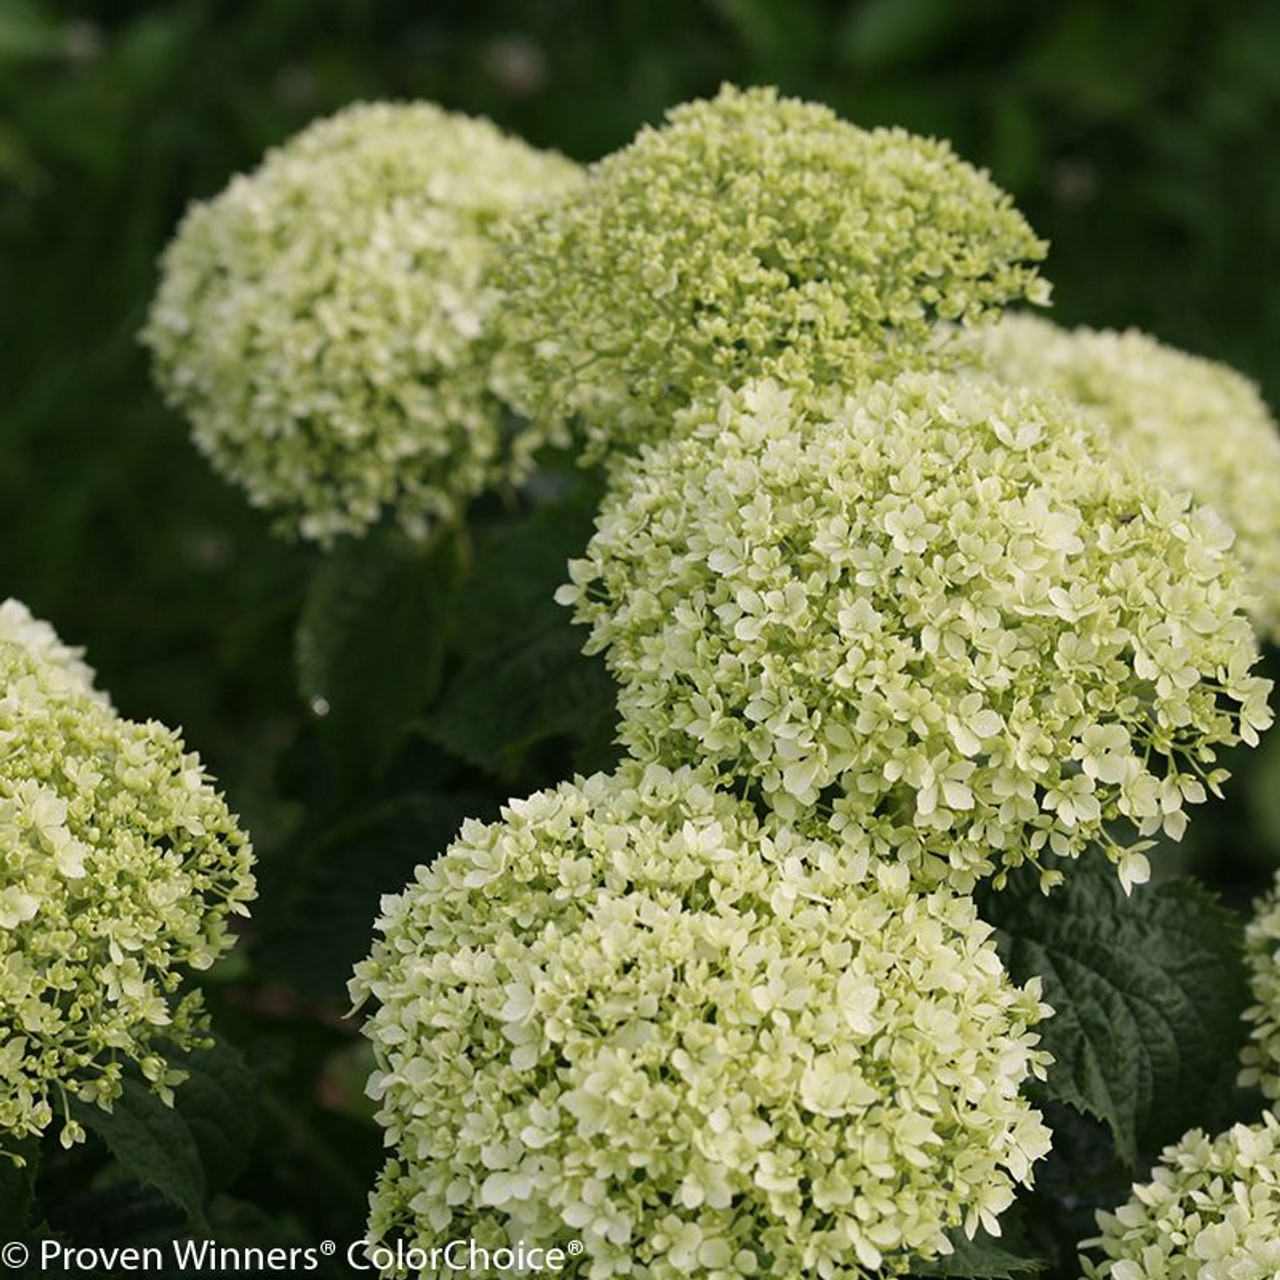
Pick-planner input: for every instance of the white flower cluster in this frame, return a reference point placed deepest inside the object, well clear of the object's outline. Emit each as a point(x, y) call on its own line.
point(1210, 1212)
point(1261, 1057)
point(326, 322)
point(1202, 425)
point(40, 640)
point(936, 608)
point(120, 867)
point(635, 1014)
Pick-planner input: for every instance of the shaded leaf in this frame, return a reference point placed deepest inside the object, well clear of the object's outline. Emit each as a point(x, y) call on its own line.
point(371, 639)
point(981, 1258)
point(1147, 992)
point(523, 678)
point(218, 1102)
point(17, 1186)
point(153, 1144)
point(192, 1148)
point(341, 880)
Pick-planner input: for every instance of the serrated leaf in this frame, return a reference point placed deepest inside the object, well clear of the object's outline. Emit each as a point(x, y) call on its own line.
point(218, 1102)
point(534, 686)
point(523, 678)
point(153, 1144)
point(981, 1258)
point(344, 876)
point(192, 1148)
point(1148, 991)
point(371, 640)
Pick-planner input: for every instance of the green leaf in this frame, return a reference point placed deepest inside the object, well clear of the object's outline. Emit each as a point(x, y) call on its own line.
point(979, 1259)
point(340, 880)
point(523, 679)
point(218, 1103)
point(1148, 991)
point(153, 1144)
point(190, 1149)
point(17, 1186)
point(371, 639)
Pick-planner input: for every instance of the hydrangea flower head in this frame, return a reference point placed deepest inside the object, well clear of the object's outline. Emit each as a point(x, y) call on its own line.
point(1261, 1057)
point(18, 626)
point(631, 1014)
point(1201, 424)
point(750, 234)
point(119, 869)
point(326, 322)
point(1210, 1212)
point(938, 609)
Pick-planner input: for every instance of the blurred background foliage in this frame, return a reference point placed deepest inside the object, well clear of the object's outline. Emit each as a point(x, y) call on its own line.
point(1139, 138)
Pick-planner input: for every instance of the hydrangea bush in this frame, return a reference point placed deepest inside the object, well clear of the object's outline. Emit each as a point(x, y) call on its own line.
point(1199, 423)
point(635, 1014)
point(912, 612)
point(121, 869)
point(936, 607)
point(750, 234)
point(326, 323)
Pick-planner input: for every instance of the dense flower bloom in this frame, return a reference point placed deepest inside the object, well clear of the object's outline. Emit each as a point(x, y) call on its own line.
point(1261, 1058)
point(119, 868)
point(939, 605)
point(325, 322)
point(750, 234)
point(1201, 424)
point(19, 627)
point(1210, 1212)
point(632, 1014)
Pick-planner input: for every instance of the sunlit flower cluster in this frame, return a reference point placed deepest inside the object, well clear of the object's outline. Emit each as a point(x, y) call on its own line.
point(1202, 425)
point(750, 234)
point(634, 1014)
point(939, 608)
point(1261, 1057)
point(1210, 1212)
point(119, 869)
point(326, 322)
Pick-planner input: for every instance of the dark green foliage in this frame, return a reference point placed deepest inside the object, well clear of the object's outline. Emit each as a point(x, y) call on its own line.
point(371, 642)
point(1148, 992)
point(325, 914)
point(522, 679)
point(17, 1185)
point(981, 1258)
point(189, 1150)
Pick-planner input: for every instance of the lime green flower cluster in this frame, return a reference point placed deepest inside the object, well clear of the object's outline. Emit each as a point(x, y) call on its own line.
point(17, 626)
point(936, 609)
point(1261, 1057)
point(750, 235)
point(119, 869)
point(1210, 1212)
point(636, 1014)
point(326, 322)
point(1202, 425)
